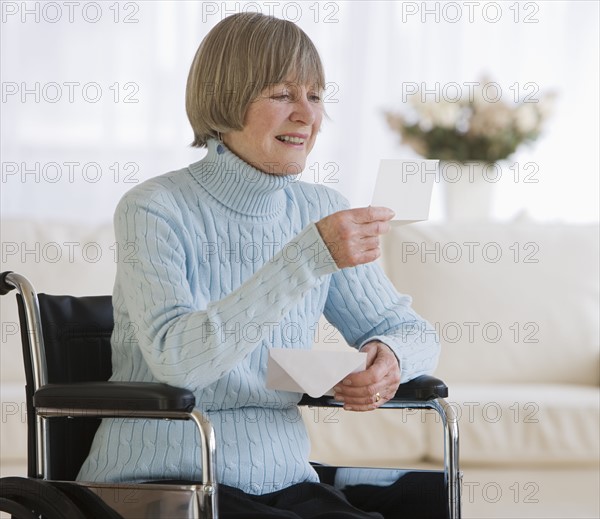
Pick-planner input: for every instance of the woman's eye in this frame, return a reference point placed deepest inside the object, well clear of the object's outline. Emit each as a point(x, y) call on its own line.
point(291, 96)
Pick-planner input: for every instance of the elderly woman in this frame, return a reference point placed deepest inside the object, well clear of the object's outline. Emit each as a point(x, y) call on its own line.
point(228, 253)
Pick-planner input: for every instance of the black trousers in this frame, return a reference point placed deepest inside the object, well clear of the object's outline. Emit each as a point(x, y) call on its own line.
point(301, 501)
point(418, 495)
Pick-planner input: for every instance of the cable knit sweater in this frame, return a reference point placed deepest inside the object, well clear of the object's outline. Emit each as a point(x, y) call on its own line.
point(219, 262)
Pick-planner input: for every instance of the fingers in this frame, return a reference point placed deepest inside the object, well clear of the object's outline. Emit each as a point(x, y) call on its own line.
point(372, 214)
point(352, 236)
point(369, 398)
point(373, 229)
point(371, 388)
point(361, 222)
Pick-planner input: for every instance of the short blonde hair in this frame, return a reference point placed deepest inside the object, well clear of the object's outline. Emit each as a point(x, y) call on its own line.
point(240, 57)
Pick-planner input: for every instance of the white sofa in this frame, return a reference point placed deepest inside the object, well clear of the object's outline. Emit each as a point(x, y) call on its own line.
point(516, 307)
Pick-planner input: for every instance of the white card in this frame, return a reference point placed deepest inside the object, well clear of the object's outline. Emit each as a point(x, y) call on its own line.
point(405, 187)
point(314, 372)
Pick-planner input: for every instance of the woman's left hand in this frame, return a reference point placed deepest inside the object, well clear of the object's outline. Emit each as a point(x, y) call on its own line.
point(367, 390)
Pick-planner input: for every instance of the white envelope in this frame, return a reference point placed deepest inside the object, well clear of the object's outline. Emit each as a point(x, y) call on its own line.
point(405, 187)
point(314, 372)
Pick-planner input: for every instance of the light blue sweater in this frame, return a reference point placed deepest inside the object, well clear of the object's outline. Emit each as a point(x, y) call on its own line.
point(218, 262)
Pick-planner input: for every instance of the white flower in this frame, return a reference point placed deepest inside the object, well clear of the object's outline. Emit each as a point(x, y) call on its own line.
point(484, 126)
point(446, 114)
point(526, 117)
point(438, 115)
point(490, 119)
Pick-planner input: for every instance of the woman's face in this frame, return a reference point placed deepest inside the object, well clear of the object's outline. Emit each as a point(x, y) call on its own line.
point(280, 128)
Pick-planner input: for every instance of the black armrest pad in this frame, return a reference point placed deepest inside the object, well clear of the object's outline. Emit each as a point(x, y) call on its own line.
point(125, 396)
point(420, 389)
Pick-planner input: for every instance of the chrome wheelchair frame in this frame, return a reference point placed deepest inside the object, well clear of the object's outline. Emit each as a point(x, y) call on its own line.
point(105, 399)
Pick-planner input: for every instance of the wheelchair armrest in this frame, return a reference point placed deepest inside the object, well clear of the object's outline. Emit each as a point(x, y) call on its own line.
point(419, 389)
point(121, 396)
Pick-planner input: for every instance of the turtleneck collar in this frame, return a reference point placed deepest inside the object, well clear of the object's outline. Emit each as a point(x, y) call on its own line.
point(237, 185)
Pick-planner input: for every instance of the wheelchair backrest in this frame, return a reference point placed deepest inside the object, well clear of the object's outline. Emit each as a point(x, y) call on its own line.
point(76, 333)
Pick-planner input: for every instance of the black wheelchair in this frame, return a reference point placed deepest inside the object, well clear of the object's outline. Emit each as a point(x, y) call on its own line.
point(67, 357)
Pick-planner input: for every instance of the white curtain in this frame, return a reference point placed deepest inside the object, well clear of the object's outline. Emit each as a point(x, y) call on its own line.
point(93, 94)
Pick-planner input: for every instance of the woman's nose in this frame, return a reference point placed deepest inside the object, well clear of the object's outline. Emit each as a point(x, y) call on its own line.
point(304, 111)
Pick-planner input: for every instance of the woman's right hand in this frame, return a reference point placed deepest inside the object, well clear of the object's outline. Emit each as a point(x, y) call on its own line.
point(352, 235)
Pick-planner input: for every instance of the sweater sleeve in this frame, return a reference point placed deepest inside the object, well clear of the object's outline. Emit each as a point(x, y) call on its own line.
point(179, 338)
point(364, 305)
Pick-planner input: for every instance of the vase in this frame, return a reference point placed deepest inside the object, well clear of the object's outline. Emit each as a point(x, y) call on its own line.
point(468, 189)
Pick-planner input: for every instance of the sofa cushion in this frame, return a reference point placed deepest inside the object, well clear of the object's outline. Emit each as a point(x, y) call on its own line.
point(522, 424)
point(13, 435)
point(57, 258)
point(511, 302)
point(382, 438)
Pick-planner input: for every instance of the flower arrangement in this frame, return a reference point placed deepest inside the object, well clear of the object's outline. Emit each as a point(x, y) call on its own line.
point(470, 128)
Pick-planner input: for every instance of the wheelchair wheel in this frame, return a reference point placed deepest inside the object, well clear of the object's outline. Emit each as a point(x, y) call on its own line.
point(16, 510)
point(85, 499)
point(26, 498)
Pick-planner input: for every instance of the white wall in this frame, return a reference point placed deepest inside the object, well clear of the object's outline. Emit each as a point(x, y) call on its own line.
point(137, 54)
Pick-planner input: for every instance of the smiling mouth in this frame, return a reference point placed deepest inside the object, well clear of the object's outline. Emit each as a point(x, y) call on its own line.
point(290, 140)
